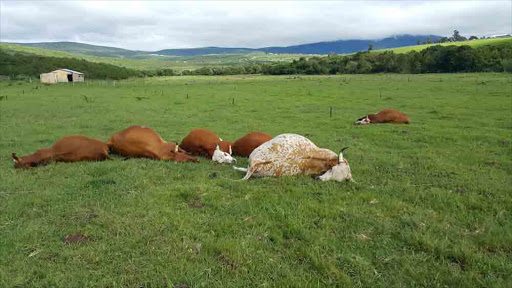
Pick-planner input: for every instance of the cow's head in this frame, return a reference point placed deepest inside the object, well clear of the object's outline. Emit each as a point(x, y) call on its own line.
point(363, 120)
point(182, 156)
point(340, 172)
point(19, 163)
point(223, 157)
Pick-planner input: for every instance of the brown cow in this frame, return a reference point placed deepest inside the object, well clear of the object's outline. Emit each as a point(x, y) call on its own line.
point(206, 143)
point(66, 149)
point(384, 116)
point(144, 142)
point(245, 145)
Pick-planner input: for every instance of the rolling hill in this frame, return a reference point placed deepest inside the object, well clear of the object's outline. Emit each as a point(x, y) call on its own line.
point(88, 49)
point(192, 60)
point(338, 47)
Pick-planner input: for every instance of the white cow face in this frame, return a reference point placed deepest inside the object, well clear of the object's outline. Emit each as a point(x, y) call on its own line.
point(223, 157)
point(340, 172)
point(364, 120)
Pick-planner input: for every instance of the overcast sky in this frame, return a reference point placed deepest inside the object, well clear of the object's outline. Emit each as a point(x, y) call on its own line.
point(158, 25)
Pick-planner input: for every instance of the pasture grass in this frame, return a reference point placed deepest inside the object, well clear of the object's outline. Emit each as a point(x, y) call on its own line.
point(431, 206)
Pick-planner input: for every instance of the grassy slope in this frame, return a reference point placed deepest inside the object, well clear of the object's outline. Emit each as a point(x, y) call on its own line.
point(94, 50)
point(473, 43)
point(158, 62)
point(431, 207)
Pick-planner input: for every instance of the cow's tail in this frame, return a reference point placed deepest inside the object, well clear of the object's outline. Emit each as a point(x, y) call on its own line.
point(247, 170)
point(240, 169)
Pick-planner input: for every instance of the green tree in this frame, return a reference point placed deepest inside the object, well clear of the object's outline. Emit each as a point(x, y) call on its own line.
point(370, 47)
point(456, 36)
point(473, 38)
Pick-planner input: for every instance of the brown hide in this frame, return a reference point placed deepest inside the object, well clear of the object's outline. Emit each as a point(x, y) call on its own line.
point(389, 116)
point(144, 142)
point(224, 146)
point(245, 145)
point(66, 149)
point(203, 142)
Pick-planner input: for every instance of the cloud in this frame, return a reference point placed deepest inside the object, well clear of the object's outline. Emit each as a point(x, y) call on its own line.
point(159, 25)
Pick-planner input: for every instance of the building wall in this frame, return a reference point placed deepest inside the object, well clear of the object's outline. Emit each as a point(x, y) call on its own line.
point(62, 76)
point(48, 78)
point(78, 77)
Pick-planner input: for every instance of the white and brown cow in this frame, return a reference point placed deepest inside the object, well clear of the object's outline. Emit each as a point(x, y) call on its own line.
point(292, 154)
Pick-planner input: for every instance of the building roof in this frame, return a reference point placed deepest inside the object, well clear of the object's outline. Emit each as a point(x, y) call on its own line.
point(71, 71)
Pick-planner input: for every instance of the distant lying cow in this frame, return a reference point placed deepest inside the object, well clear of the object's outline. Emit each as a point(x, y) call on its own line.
point(291, 154)
point(66, 149)
point(144, 142)
point(206, 143)
point(245, 145)
point(384, 116)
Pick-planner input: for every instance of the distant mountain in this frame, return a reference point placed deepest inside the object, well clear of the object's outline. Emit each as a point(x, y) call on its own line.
point(338, 47)
point(351, 46)
point(204, 51)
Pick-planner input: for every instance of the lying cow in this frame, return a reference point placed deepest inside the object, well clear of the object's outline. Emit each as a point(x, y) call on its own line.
point(292, 154)
point(245, 145)
point(384, 116)
point(144, 142)
point(206, 143)
point(66, 149)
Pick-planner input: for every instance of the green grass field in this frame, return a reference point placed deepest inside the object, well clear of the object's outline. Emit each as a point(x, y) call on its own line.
point(431, 206)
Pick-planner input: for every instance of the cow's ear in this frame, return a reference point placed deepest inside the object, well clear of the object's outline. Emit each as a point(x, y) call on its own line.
point(15, 158)
point(217, 147)
point(340, 159)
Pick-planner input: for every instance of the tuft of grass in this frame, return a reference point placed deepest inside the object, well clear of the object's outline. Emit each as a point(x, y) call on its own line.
point(430, 207)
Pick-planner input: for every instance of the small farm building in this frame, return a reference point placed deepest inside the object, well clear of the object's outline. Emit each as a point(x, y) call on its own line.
point(62, 75)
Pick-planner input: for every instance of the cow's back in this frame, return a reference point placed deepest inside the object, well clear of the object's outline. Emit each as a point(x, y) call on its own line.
point(79, 148)
point(245, 145)
point(137, 141)
point(200, 142)
point(392, 116)
point(290, 154)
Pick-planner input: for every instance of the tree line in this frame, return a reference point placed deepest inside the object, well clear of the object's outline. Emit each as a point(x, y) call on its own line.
point(435, 59)
point(27, 65)
point(456, 37)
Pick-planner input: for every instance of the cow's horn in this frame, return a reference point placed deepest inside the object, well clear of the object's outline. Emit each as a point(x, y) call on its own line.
point(15, 158)
point(341, 153)
point(176, 148)
point(230, 151)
